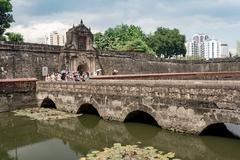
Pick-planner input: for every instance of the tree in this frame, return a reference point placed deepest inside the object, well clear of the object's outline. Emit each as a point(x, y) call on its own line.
point(14, 37)
point(6, 17)
point(137, 45)
point(166, 42)
point(100, 41)
point(122, 37)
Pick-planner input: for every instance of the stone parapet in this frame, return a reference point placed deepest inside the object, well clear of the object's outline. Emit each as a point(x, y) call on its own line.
point(7, 46)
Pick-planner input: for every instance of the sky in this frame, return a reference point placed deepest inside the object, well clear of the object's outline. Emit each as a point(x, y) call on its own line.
point(218, 18)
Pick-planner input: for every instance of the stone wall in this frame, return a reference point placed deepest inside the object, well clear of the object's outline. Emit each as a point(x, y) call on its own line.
point(17, 93)
point(183, 106)
point(26, 60)
point(137, 63)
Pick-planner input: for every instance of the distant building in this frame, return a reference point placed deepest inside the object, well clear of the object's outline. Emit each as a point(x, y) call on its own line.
point(192, 48)
point(54, 38)
point(224, 51)
point(212, 49)
point(196, 47)
point(238, 48)
point(200, 38)
point(202, 46)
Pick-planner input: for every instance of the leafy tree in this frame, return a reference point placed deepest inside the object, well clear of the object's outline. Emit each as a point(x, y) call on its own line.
point(166, 42)
point(100, 41)
point(6, 17)
point(137, 45)
point(122, 37)
point(14, 37)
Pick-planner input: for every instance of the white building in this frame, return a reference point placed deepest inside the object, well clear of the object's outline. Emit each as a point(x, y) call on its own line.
point(196, 47)
point(224, 51)
point(192, 48)
point(212, 49)
point(202, 46)
point(200, 38)
point(54, 38)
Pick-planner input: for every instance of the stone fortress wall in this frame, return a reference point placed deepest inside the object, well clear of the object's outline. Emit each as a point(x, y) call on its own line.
point(26, 60)
point(139, 63)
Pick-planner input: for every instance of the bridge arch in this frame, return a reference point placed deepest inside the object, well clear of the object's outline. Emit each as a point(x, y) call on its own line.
point(48, 103)
point(141, 116)
point(88, 108)
point(217, 129)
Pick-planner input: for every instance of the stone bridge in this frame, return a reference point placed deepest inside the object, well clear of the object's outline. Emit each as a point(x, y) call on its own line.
point(188, 106)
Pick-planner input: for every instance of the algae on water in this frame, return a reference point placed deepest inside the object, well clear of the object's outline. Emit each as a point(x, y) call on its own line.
point(42, 114)
point(129, 152)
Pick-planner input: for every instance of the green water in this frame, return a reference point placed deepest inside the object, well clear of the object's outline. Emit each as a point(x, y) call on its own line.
point(23, 139)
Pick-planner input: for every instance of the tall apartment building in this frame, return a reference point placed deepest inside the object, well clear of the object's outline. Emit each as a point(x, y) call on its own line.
point(200, 38)
point(195, 47)
point(192, 48)
point(54, 38)
point(202, 46)
point(224, 50)
point(212, 49)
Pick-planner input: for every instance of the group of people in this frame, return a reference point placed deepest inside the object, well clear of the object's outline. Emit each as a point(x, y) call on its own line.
point(74, 76)
point(68, 76)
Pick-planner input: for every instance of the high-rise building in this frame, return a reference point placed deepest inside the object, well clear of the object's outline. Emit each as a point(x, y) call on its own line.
point(54, 38)
point(202, 46)
point(238, 48)
point(200, 38)
point(192, 48)
point(196, 47)
point(224, 50)
point(212, 49)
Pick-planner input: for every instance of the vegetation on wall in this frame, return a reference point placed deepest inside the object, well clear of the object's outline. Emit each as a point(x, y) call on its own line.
point(14, 37)
point(163, 42)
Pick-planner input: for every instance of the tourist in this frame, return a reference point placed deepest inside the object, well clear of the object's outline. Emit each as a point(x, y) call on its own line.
point(114, 72)
point(47, 78)
point(59, 77)
point(52, 77)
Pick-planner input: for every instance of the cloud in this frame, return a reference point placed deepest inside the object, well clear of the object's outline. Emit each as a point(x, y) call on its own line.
point(36, 32)
point(218, 18)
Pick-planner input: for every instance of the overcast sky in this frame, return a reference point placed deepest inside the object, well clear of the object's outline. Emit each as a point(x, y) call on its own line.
point(220, 19)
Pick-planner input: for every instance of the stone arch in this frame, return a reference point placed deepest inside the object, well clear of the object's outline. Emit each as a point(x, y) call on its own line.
point(216, 129)
point(141, 116)
point(83, 67)
point(88, 108)
point(48, 103)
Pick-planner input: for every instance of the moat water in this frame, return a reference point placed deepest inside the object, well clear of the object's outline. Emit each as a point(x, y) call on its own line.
point(70, 139)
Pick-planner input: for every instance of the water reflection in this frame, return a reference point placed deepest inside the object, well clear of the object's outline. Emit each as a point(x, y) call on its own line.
point(78, 136)
point(235, 129)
